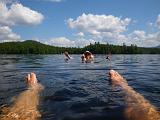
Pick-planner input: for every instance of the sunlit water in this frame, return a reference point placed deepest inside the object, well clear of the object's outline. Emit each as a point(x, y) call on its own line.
point(80, 91)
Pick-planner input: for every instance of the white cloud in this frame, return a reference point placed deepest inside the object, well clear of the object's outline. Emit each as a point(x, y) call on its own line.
point(12, 13)
point(18, 14)
point(61, 41)
point(80, 34)
point(6, 34)
point(141, 38)
point(158, 21)
point(111, 29)
point(81, 42)
point(99, 24)
point(7, 1)
point(103, 28)
point(138, 34)
point(65, 42)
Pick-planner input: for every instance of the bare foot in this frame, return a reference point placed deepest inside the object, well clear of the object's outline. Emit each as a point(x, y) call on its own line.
point(116, 78)
point(31, 79)
point(138, 108)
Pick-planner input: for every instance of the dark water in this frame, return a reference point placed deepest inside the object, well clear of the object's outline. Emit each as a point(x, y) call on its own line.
point(80, 91)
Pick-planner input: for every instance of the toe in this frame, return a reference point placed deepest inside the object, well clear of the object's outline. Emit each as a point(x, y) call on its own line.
point(33, 77)
point(112, 73)
point(28, 77)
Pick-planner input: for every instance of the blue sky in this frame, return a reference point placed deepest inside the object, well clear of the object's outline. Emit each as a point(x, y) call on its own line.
point(80, 22)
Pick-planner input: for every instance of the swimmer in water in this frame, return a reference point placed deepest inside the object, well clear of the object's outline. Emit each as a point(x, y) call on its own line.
point(138, 108)
point(108, 57)
point(87, 57)
point(67, 56)
point(25, 105)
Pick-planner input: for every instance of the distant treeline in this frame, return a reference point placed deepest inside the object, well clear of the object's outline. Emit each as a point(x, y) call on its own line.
point(34, 47)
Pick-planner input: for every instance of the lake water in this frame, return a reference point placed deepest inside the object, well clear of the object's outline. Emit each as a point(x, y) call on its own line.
point(80, 91)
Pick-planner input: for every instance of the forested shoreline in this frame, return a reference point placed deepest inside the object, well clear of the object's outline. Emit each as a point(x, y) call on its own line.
point(34, 47)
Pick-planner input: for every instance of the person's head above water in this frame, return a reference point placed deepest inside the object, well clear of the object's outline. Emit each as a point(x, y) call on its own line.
point(87, 53)
point(87, 56)
point(66, 53)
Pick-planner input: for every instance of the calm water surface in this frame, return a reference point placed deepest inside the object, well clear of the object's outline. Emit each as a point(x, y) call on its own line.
point(77, 91)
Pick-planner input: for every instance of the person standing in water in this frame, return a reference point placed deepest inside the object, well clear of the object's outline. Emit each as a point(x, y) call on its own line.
point(25, 106)
point(87, 57)
point(138, 108)
point(67, 56)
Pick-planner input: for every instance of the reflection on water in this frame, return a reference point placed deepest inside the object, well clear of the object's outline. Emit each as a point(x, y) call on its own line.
point(80, 91)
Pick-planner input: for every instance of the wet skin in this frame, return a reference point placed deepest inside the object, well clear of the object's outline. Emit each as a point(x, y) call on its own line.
point(25, 105)
point(138, 108)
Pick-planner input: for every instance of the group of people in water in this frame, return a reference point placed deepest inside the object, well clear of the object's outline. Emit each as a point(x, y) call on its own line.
point(86, 57)
point(26, 104)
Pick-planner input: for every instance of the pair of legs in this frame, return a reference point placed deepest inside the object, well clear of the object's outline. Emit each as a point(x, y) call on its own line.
point(25, 107)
